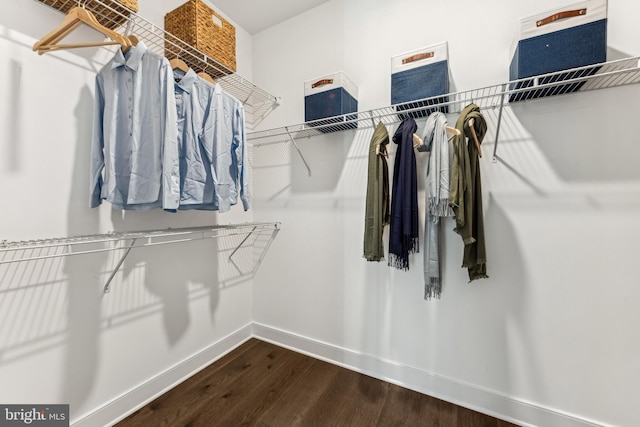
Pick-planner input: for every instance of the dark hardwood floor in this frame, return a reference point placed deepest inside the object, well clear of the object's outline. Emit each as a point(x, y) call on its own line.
point(261, 384)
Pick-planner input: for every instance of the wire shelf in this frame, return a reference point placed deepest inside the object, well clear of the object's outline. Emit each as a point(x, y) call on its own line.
point(257, 102)
point(598, 76)
point(78, 245)
point(41, 249)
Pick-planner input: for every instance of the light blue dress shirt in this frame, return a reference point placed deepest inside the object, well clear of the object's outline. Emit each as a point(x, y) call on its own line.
point(211, 137)
point(193, 98)
point(226, 146)
point(134, 151)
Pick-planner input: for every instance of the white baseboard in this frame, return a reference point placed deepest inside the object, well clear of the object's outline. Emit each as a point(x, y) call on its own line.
point(129, 402)
point(489, 402)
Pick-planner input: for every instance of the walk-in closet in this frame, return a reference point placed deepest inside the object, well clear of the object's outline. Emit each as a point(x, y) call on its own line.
point(319, 212)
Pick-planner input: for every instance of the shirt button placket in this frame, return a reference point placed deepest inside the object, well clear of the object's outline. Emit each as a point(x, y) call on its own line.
point(130, 91)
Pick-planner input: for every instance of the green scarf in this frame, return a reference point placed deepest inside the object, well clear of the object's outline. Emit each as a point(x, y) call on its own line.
point(466, 192)
point(377, 205)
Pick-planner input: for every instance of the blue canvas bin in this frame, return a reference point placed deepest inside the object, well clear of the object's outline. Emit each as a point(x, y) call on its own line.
point(561, 39)
point(418, 75)
point(327, 97)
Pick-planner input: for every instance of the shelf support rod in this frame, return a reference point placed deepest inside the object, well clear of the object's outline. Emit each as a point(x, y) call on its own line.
point(495, 145)
point(242, 243)
point(299, 152)
point(117, 267)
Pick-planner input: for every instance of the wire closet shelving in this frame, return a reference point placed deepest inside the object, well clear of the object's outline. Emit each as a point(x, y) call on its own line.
point(31, 250)
point(257, 102)
point(604, 75)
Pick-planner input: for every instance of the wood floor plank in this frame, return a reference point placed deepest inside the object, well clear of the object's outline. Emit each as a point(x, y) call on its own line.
point(468, 418)
point(264, 385)
point(261, 395)
point(186, 401)
point(406, 407)
point(292, 407)
point(351, 399)
point(225, 398)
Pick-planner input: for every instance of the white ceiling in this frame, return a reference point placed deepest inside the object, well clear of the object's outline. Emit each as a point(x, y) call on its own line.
point(257, 15)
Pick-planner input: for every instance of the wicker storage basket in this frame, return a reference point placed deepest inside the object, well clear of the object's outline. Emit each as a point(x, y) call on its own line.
point(110, 13)
point(196, 25)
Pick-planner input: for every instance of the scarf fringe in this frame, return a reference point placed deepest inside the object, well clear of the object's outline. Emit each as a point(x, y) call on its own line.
point(440, 207)
point(398, 262)
point(402, 262)
point(413, 244)
point(433, 289)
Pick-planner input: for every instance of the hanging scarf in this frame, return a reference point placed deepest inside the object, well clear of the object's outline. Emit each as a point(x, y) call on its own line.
point(437, 199)
point(466, 192)
point(403, 233)
point(438, 171)
point(377, 205)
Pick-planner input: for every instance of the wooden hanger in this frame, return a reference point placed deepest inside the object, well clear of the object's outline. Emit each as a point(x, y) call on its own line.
point(76, 17)
point(384, 153)
point(133, 39)
point(417, 141)
point(452, 130)
point(475, 137)
point(206, 77)
point(178, 64)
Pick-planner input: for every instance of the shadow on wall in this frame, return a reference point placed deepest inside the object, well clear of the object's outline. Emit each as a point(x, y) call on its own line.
point(338, 163)
point(14, 140)
point(83, 298)
point(509, 274)
point(164, 276)
point(279, 169)
point(586, 137)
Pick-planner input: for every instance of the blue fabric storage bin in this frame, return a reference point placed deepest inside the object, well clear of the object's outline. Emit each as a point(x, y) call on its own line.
point(417, 75)
point(330, 96)
point(561, 39)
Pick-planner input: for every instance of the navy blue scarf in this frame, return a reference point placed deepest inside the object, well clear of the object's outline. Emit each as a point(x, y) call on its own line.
point(403, 231)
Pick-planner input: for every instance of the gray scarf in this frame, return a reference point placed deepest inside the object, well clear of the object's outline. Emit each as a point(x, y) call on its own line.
point(437, 198)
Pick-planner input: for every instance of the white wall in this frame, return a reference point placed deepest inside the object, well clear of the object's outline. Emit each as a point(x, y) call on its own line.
point(61, 339)
point(549, 337)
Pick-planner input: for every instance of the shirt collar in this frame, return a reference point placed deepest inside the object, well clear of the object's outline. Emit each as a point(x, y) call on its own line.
point(187, 81)
point(217, 89)
point(133, 57)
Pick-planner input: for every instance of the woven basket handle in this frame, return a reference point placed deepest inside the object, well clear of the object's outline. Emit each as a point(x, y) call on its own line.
point(322, 83)
point(418, 57)
point(217, 20)
point(561, 15)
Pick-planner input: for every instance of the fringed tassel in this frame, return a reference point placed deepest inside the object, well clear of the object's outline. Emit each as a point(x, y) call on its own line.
point(399, 262)
point(433, 289)
point(412, 244)
point(440, 207)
